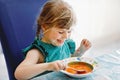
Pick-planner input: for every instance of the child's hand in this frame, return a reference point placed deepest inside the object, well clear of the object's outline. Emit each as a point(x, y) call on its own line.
point(86, 44)
point(56, 65)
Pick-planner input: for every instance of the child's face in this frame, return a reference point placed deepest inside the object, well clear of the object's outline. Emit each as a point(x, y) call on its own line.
point(56, 36)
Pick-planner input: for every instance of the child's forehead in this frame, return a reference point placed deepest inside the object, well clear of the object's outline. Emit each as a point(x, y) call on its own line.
point(64, 29)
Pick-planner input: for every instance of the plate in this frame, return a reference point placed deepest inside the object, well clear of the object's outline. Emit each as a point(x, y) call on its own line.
point(81, 59)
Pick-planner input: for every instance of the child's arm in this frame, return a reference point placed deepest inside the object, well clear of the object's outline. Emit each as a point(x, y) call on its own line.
point(84, 46)
point(33, 65)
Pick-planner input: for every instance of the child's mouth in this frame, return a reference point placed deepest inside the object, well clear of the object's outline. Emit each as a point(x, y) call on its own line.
point(60, 41)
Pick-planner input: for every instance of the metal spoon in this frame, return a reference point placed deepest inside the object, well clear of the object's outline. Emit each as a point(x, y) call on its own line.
point(78, 71)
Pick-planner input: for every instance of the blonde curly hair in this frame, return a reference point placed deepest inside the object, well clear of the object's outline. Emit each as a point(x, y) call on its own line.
point(56, 13)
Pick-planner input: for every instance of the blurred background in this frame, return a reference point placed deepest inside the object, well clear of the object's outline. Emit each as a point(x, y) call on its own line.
point(98, 21)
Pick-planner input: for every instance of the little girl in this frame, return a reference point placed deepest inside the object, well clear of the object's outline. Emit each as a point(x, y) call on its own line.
point(52, 43)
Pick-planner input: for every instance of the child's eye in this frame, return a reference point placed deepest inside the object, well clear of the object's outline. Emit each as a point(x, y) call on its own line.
point(61, 32)
point(69, 31)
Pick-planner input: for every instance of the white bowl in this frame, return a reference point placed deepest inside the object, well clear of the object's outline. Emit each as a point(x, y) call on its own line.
point(87, 60)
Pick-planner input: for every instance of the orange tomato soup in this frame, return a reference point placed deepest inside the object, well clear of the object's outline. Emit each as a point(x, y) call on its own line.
point(79, 66)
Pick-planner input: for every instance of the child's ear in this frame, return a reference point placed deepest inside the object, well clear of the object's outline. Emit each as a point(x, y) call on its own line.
point(44, 27)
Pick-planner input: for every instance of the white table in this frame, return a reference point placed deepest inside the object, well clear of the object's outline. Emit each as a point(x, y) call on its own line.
point(109, 69)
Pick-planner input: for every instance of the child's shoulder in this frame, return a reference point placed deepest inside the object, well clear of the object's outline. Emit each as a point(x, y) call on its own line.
point(71, 45)
point(70, 41)
point(37, 41)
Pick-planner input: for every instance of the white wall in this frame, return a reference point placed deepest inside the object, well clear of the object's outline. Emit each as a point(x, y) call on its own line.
point(97, 20)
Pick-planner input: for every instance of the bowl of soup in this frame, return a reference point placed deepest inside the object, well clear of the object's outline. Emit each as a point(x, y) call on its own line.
point(79, 67)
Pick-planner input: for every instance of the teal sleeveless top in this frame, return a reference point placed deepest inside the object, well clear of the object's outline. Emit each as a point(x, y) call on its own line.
point(51, 52)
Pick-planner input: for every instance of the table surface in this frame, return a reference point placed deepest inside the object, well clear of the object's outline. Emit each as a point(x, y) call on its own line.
point(109, 69)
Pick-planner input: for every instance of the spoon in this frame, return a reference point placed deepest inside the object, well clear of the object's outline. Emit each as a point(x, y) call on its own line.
point(78, 71)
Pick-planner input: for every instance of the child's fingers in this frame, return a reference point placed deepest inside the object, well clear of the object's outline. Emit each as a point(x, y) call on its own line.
point(58, 65)
point(61, 65)
point(83, 41)
point(86, 43)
